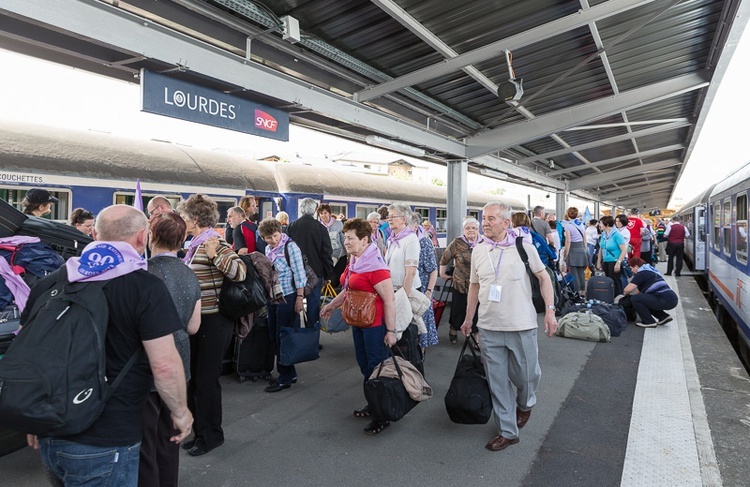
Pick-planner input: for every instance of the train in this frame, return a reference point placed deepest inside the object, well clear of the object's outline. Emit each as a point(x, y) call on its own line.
point(93, 170)
point(718, 250)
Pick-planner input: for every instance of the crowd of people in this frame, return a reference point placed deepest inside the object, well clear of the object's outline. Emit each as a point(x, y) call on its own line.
point(178, 280)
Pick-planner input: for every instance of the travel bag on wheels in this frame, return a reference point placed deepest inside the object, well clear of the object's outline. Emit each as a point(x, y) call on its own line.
point(601, 288)
point(468, 400)
point(254, 354)
point(438, 304)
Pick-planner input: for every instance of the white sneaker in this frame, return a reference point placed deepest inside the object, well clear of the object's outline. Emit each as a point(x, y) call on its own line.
point(646, 325)
point(665, 321)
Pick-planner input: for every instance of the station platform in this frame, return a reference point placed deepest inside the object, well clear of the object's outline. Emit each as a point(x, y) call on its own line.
point(665, 406)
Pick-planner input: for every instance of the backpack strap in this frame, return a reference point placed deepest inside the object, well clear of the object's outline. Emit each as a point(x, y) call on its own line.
point(522, 251)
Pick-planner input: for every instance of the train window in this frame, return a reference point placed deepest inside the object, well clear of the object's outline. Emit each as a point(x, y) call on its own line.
point(127, 198)
point(364, 210)
point(741, 235)
point(441, 220)
point(717, 225)
point(474, 214)
point(60, 211)
point(726, 220)
point(424, 213)
point(338, 208)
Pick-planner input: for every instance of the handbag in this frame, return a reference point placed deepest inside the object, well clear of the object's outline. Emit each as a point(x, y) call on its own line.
point(359, 308)
point(387, 396)
point(298, 344)
point(238, 299)
point(335, 322)
point(468, 400)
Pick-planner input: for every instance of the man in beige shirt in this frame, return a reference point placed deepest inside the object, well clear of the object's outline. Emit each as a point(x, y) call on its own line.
point(507, 321)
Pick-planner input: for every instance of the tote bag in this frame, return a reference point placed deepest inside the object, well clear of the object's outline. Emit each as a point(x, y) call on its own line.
point(298, 344)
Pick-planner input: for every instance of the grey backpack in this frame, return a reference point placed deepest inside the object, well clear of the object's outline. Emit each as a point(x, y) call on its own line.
point(584, 326)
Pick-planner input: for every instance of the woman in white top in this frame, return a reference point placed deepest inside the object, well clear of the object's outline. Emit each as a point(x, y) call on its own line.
point(555, 237)
point(576, 258)
point(592, 236)
point(402, 255)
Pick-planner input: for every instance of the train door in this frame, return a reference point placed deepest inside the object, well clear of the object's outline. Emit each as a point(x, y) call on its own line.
point(265, 206)
point(699, 229)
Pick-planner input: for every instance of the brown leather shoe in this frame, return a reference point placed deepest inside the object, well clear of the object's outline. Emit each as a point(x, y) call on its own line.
point(500, 443)
point(522, 417)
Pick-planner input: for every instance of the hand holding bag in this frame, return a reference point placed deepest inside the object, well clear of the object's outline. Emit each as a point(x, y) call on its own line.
point(359, 308)
point(297, 344)
point(468, 400)
point(335, 322)
point(387, 396)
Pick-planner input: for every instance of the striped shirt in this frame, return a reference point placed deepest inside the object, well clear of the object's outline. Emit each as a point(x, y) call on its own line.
point(211, 272)
point(292, 278)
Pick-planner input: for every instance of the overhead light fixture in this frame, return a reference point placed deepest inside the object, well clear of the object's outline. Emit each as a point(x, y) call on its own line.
point(395, 146)
point(512, 89)
point(491, 173)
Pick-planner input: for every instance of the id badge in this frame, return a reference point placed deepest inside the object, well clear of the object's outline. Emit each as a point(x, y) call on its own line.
point(495, 293)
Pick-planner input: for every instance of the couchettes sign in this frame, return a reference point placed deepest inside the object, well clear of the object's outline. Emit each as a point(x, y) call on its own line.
point(175, 98)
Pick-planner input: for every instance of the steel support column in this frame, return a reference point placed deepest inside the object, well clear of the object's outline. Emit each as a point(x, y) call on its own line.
point(457, 181)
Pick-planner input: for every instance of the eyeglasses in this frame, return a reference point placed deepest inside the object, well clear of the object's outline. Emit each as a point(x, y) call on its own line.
point(391, 217)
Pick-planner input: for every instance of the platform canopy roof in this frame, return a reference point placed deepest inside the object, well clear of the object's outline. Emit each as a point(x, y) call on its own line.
point(615, 92)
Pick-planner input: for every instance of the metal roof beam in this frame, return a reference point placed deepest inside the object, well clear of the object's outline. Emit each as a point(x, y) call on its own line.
point(526, 131)
point(610, 177)
point(419, 30)
point(601, 142)
point(645, 188)
point(614, 160)
point(112, 26)
point(546, 31)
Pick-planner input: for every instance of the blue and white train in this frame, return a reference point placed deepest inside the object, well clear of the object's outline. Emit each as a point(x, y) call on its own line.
point(718, 223)
point(94, 170)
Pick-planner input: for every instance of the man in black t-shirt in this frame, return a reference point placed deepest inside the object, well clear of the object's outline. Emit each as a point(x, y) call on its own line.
point(142, 315)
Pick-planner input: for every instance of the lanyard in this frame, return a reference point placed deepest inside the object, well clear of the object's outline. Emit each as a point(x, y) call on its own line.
point(496, 270)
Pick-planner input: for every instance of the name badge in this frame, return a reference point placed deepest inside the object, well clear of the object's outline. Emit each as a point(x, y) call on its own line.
point(495, 293)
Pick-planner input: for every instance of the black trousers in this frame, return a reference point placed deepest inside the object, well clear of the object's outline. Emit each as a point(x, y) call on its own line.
point(675, 251)
point(609, 271)
point(207, 348)
point(160, 458)
point(649, 306)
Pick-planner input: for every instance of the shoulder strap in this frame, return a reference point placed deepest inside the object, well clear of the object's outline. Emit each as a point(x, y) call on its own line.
point(522, 251)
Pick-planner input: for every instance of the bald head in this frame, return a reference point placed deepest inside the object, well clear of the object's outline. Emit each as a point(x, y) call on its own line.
point(157, 205)
point(122, 223)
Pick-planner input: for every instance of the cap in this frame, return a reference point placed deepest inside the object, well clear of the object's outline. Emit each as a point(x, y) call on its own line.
point(40, 196)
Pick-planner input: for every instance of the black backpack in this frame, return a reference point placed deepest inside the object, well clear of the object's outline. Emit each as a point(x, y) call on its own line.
point(53, 377)
point(238, 299)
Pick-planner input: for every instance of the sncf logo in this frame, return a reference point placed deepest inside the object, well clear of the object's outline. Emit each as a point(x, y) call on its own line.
point(264, 121)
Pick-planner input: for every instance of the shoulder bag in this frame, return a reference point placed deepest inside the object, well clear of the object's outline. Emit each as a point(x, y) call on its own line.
point(359, 308)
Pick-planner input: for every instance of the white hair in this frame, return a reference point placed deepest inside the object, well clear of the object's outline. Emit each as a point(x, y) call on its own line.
point(403, 209)
point(504, 208)
point(307, 206)
point(470, 220)
point(372, 215)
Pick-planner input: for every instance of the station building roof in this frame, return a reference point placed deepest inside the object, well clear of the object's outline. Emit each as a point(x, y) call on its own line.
point(614, 92)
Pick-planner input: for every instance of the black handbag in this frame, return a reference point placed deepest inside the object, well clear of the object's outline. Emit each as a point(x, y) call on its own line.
point(298, 344)
point(468, 400)
point(387, 396)
point(238, 299)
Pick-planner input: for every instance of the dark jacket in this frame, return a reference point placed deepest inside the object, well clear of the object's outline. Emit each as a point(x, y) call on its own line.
point(312, 238)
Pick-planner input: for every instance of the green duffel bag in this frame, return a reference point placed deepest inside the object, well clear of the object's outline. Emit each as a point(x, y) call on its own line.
point(583, 326)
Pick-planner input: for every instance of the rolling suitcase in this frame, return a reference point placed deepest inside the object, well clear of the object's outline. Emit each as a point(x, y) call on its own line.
point(438, 304)
point(254, 355)
point(601, 288)
point(65, 240)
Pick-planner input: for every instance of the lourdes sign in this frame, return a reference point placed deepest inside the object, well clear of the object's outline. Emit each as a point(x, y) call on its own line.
point(175, 98)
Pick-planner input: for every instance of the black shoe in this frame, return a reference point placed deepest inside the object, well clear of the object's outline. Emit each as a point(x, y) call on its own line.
point(677, 275)
point(201, 449)
point(188, 444)
point(273, 380)
point(277, 387)
point(667, 273)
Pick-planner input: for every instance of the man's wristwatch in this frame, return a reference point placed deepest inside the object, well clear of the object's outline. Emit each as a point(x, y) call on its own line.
point(551, 306)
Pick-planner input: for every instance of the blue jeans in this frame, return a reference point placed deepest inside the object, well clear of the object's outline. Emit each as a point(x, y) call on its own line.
point(91, 466)
point(369, 348)
point(649, 306)
point(282, 315)
point(313, 303)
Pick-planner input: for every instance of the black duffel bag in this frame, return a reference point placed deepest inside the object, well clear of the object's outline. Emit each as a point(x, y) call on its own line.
point(238, 299)
point(387, 396)
point(468, 400)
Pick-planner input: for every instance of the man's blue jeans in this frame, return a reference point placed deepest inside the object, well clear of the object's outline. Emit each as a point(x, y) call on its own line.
point(84, 465)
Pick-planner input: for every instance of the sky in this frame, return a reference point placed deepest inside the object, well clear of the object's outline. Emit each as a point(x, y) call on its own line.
point(46, 93)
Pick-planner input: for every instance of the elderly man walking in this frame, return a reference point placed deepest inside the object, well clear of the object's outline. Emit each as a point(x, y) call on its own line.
point(507, 321)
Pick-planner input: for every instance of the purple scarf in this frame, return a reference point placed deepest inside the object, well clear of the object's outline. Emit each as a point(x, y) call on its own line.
point(196, 242)
point(330, 222)
point(421, 233)
point(274, 253)
point(525, 233)
point(371, 260)
point(102, 261)
point(396, 237)
point(473, 244)
point(15, 283)
point(508, 241)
